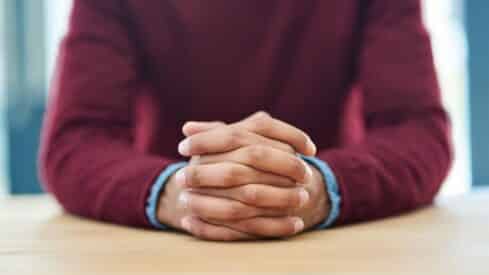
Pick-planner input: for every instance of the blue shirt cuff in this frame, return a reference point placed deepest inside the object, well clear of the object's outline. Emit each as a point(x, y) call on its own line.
point(156, 189)
point(331, 188)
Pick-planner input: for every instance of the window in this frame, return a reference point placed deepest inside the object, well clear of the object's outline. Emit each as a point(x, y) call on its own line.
point(57, 16)
point(444, 21)
point(3, 92)
point(30, 32)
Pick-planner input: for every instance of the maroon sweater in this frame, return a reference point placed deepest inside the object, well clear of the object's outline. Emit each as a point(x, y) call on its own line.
point(357, 75)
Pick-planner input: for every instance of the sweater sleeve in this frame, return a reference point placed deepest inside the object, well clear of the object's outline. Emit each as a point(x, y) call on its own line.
point(89, 159)
point(405, 153)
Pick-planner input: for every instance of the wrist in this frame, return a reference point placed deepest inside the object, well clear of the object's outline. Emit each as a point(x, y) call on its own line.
point(318, 207)
point(323, 203)
point(330, 187)
point(157, 203)
point(166, 208)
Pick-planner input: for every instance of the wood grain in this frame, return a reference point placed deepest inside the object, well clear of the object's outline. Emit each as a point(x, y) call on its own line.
point(451, 237)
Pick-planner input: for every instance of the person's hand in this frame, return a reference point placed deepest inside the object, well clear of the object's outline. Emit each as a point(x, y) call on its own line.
point(258, 129)
point(308, 201)
point(238, 194)
point(243, 203)
point(244, 135)
point(258, 203)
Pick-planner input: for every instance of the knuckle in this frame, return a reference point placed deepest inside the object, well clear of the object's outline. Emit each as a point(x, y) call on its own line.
point(205, 234)
point(303, 140)
point(256, 153)
point(196, 160)
point(289, 182)
point(231, 176)
point(194, 175)
point(261, 115)
point(282, 228)
point(293, 199)
point(193, 208)
point(285, 182)
point(219, 123)
point(227, 236)
point(288, 228)
point(234, 137)
point(248, 226)
point(196, 145)
point(288, 148)
point(261, 122)
point(198, 230)
point(298, 168)
point(250, 194)
point(234, 212)
point(284, 202)
point(236, 172)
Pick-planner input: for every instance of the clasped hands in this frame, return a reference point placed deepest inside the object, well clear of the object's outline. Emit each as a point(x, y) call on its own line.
point(244, 182)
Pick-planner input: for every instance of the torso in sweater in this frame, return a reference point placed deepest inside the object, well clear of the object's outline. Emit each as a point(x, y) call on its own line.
point(223, 60)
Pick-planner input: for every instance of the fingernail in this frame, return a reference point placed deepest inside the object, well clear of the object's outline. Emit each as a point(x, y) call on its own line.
point(308, 173)
point(185, 223)
point(304, 197)
point(184, 147)
point(180, 178)
point(192, 124)
point(312, 145)
point(197, 123)
point(298, 224)
point(184, 199)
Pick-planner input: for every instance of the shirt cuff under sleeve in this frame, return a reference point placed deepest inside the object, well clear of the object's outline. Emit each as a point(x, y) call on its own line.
point(331, 188)
point(156, 189)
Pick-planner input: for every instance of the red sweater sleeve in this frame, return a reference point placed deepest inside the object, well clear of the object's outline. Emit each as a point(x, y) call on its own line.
point(88, 158)
point(405, 153)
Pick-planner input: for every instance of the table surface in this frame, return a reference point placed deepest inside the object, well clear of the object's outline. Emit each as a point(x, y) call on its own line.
point(451, 237)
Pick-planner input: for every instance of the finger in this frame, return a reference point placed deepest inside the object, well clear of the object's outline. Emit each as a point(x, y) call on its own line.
point(221, 209)
point(206, 231)
point(227, 174)
point(266, 227)
point(266, 159)
point(225, 139)
point(263, 124)
point(194, 127)
point(262, 196)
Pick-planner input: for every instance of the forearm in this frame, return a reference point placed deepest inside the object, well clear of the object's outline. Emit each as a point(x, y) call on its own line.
point(398, 167)
point(95, 175)
point(92, 157)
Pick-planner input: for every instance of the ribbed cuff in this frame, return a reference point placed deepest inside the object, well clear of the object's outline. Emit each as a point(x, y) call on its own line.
point(156, 189)
point(331, 188)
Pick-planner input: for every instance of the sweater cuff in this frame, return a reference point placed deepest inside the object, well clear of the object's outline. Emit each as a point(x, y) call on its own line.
point(156, 189)
point(331, 188)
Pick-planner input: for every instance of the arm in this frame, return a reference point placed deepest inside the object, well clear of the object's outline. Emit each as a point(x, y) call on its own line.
point(401, 162)
point(89, 159)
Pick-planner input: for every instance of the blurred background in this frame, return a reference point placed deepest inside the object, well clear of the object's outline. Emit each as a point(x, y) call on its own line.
point(31, 30)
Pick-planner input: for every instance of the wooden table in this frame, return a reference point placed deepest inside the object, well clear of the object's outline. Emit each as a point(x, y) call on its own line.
point(449, 238)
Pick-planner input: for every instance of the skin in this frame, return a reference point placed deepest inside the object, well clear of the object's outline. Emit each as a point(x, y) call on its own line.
point(244, 182)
